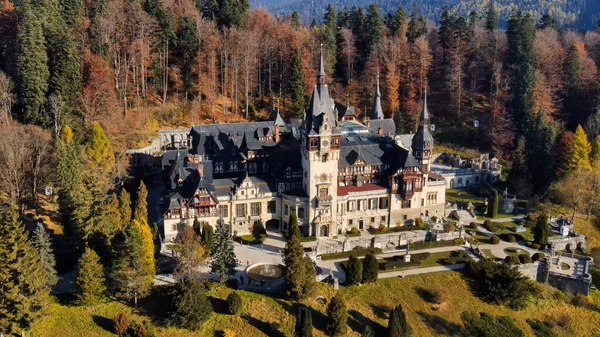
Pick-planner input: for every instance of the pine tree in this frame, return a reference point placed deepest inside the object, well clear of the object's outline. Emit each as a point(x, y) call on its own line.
point(43, 245)
point(397, 325)
point(297, 84)
point(32, 66)
point(491, 17)
point(355, 271)
point(296, 24)
point(125, 206)
point(224, 260)
point(207, 236)
point(129, 276)
point(140, 212)
point(337, 315)
point(192, 307)
point(99, 149)
point(397, 21)
point(300, 274)
point(23, 283)
point(303, 326)
point(541, 230)
point(370, 268)
point(294, 230)
point(398, 122)
point(90, 278)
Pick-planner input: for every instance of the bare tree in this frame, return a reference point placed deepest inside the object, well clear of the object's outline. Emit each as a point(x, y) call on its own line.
point(39, 158)
point(7, 98)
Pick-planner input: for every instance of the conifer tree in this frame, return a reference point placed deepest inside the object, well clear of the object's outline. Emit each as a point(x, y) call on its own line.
point(112, 221)
point(374, 27)
point(300, 274)
point(188, 38)
point(99, 149)
point(355, 271)
point(147, 249)
point(491, 17)
point(337, 315)
point(156, 239)
point(197, 226)
point(595, 153)
point(140, 212)
point(303, 326)
point(90, 278)
point(577, 153)
point(207, 236)
point(370, 268)
point(72, 10)
point(32, 66)
point(23, 283)
point(330, 32)
point(129, 276)
point(192, 307)
point(416, 25)
point(125, 206)
point(398, 122)
point(224, 260)
point(43, 245)
point(397, 325)
point(297, 84)
point(293, 226)
point(541, 230)
point(493, 206)
point(296, 24)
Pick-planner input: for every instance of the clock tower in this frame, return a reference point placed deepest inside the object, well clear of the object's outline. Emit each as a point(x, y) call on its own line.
point(320, 155)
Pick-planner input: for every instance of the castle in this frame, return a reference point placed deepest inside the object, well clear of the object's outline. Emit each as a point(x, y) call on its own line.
point(329, 169)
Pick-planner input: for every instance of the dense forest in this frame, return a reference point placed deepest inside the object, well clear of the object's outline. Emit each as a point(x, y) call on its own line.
point(579, 14)
point(134, 66)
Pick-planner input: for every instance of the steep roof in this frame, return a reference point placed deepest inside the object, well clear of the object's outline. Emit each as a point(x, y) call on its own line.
point(423, 140)
point(377, 110)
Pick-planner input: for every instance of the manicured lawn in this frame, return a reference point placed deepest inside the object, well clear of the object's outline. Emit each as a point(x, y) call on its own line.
point(489, 253)
point(465, 195)
point(478, 237)
point(367, 304)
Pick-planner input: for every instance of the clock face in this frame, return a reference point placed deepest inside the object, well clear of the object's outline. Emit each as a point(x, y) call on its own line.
point(325, 143)
point(323, 177)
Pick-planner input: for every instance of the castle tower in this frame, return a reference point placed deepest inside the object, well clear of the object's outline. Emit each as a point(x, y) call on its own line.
point(320, 155)
point(377, 110)
point(422, 142)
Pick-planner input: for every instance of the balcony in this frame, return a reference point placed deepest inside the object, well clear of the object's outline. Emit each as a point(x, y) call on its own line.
point(324, 201)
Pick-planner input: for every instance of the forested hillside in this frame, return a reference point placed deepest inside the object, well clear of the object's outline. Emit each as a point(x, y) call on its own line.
point(581, 14)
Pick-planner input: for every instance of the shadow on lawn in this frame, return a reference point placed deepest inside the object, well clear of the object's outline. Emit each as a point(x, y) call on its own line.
point(380, 311)
point(219, 305)
point(269, 329)
point(104, 323)
point(358, 321)
point(441, 325)
point(424, 294)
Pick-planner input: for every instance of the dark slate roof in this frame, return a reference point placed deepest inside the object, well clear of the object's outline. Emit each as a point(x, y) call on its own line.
point(387, 126)
point(377, 110)
point(224, 186)
point(343, 110)
point(423, 140)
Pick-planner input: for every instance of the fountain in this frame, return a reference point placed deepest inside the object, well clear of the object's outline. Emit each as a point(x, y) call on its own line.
point(265, 272)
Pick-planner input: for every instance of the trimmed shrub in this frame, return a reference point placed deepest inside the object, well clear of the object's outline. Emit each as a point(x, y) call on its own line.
point(449, 227)
point(495, 240)
point(524, 258)
point(370, 268)
point(382, 228)
point(354, 271)
point(419, 222)
point(511, 259)
point(415, 257)
point(511, 238)
point(353, 230)
point(538, 257)
point(235, 303)
point(492, 226)
point(434, 244)
point(439, 295)
point(473, 225)
point(120, 323)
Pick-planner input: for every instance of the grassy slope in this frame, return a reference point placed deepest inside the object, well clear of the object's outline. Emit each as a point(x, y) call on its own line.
point(266, 316)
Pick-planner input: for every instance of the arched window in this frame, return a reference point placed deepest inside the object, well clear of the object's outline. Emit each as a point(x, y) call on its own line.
point(286, 210)
point(460, 182)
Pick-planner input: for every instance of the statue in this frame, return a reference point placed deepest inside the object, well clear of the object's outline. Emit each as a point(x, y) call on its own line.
point(485, 203)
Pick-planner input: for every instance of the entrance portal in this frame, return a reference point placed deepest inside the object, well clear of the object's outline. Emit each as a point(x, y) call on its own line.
point(324, 231)
point(273, 225)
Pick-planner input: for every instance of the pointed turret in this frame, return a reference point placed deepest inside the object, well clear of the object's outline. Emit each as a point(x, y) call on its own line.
point(320, 103)
point(377, 110)
point(422, 142)
point(321, 71)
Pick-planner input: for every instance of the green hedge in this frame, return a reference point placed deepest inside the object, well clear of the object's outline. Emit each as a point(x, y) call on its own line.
point(374, 230)
point(251, 239)
point(435, 244)
point(358, 251)
point(308, 238)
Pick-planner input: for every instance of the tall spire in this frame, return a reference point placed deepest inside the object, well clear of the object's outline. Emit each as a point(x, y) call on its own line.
point(377, 111)
point(424, 117)
point(321, 72)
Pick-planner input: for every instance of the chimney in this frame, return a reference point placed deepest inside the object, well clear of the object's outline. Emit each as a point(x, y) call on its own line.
point(201, 170)
point(380, 130)
point(276, 133)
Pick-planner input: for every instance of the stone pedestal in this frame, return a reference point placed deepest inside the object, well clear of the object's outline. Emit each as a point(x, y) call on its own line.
point(407, 258)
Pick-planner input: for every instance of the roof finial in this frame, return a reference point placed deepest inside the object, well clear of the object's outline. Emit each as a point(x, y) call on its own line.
point(377, 110)
point(321, 72)
point(424, 113)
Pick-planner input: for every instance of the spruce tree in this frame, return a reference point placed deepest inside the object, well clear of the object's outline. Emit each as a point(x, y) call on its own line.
point(297, 84)
point(43, 245)
point(140, 212)
point(541, 230)
point(303, 326)
point(337, 315)
point(197, 226)
point(398, 122)
point(112, 222)
point(224, 260)
point(370, 268)
point(72, 10)
point(190, 45)
point(491, 17)
point(294, 230)
point(192, 307)
point(397, 324)
point(300, 274)
point(207, 236)
point(374, 27)
point(156, 240)
point(330, 32)
point(32, 66)
point(296, 24)
point(90, 278)
point(23, 283)
point(355, 271)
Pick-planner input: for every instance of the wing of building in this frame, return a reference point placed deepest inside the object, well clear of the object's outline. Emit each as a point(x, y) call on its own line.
point(329, 169)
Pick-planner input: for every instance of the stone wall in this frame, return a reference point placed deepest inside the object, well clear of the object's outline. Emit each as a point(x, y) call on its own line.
point(569, 243)
point(529, 270)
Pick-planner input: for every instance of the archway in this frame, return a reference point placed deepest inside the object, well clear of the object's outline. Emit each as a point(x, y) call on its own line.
point(361, 224)
point(460, 182)
point(568, 247)
point(323, 231)
point(580, 246)
point(273, 225)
